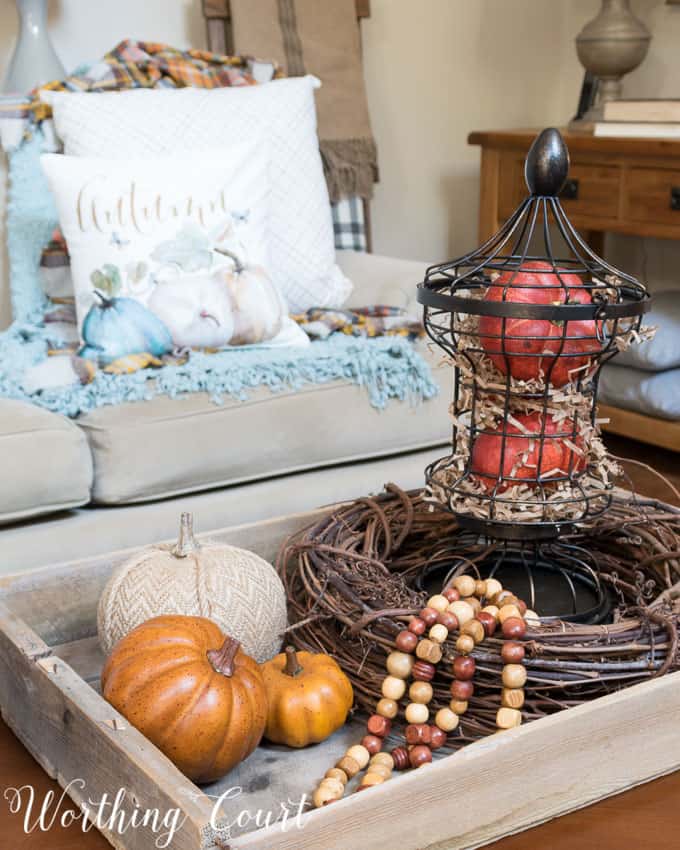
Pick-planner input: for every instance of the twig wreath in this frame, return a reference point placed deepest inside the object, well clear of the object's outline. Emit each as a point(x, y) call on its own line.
point(351, 585)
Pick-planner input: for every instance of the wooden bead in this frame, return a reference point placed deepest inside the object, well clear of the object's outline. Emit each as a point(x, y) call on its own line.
point(417, 626)
point(429, 616)
point(464, 667)
point(512, 697)
point(446, 719)
point(493, 587)
point(448, 620)
point(532, 618)
point(462, 610)
point(508, 718)
point(349, 765)
point(334, 785)
point(423, 671)
point(372, 743)
point(416, 712)
point(458, 706)
point(360, 755)
point(400, 664)
point(372, 779)
point(465, 644)
point(388, 708)
point(465, 585)
point(514, 628)
point(488, 622)
point(474, 603)
point(514, 676)
point(512, 653)
point(400, 758)
point(475, 630)
point(336, 773)
point(462, 690)
point(381, 769)
point(522, 605)
point(480, 589)
point(406, 641)
point(420, 755)
point(439, 602)
point(418, 733)
point(428, 650)
point(507, 611)
point(378, 725)
point(451, 594)
point(393, 688)
point(382, 758)
point(420, 692)
point(501, 596)
point(437, 737)
point(323, 796)
point(491, 609)
point(438, 633)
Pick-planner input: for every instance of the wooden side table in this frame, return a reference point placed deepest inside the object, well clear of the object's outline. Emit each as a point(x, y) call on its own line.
point(615, 185)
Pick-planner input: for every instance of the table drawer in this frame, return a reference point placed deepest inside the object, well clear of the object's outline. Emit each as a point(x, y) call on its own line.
point(592, 191)
point(652, 195)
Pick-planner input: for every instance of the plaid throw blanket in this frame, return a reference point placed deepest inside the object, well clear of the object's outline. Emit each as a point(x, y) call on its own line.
point(145, 64)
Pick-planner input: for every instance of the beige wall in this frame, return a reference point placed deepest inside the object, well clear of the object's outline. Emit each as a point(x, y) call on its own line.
point(435, 70)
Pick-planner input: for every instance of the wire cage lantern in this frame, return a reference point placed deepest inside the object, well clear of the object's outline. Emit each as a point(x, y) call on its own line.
point(528, 320)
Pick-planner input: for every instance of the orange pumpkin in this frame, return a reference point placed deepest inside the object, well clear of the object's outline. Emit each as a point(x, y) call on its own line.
point(308, 696)
point(191, 691)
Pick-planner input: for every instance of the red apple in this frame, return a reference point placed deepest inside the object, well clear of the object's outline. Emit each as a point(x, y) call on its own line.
point(556, 454)
point(538, 346)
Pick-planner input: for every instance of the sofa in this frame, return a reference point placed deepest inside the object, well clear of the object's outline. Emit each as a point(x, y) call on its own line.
point(119, 476)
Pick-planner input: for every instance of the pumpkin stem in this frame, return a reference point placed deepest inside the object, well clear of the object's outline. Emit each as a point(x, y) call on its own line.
point(186, 543)
point(222, 659)
point(105, 302)
point(238, 263)
point(293, 666)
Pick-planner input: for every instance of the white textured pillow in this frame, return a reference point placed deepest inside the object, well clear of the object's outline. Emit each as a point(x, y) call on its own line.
point(155, 245)
point(142, 123)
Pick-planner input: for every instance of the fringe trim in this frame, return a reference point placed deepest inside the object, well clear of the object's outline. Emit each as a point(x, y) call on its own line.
point(350, 166)
point(386, 367)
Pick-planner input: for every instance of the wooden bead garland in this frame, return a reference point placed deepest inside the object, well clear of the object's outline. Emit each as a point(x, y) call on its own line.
point(418, 649)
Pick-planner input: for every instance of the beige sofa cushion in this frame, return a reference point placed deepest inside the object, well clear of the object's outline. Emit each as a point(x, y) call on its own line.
point(165, 447)
point(46, 462)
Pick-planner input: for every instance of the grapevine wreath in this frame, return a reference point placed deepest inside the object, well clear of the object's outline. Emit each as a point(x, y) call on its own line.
point(352, 580)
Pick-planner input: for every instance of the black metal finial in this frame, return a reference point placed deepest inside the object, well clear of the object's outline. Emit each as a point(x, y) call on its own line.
point(547, 163)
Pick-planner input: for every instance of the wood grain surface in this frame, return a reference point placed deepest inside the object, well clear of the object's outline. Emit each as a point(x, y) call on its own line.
point(647, 817)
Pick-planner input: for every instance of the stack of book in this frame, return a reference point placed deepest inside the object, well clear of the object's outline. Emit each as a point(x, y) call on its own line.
point(646, 119)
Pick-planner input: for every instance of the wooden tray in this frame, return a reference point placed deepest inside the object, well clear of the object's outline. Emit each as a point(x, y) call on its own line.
point(49, 674)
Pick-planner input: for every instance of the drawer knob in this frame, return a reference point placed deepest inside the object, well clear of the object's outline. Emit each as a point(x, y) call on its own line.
point(675, 197)
point(570, 190)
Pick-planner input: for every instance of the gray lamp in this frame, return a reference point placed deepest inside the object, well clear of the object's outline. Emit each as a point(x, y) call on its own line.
point(34, 60)
point(611, 45)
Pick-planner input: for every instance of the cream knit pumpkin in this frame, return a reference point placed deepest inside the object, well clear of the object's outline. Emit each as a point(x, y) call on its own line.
point(235, 588)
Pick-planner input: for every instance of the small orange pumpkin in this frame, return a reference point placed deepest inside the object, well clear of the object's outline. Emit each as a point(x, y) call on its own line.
point(308, 696)
point(191, 691)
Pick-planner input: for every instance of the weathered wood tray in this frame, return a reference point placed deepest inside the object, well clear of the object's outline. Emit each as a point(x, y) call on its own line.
point(49, 673)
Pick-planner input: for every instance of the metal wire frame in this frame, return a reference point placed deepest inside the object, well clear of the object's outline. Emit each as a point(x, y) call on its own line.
point(570, 564)
point(593, 317)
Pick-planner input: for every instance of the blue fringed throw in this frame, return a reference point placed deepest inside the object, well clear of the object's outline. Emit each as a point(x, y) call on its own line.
point(388, 367)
